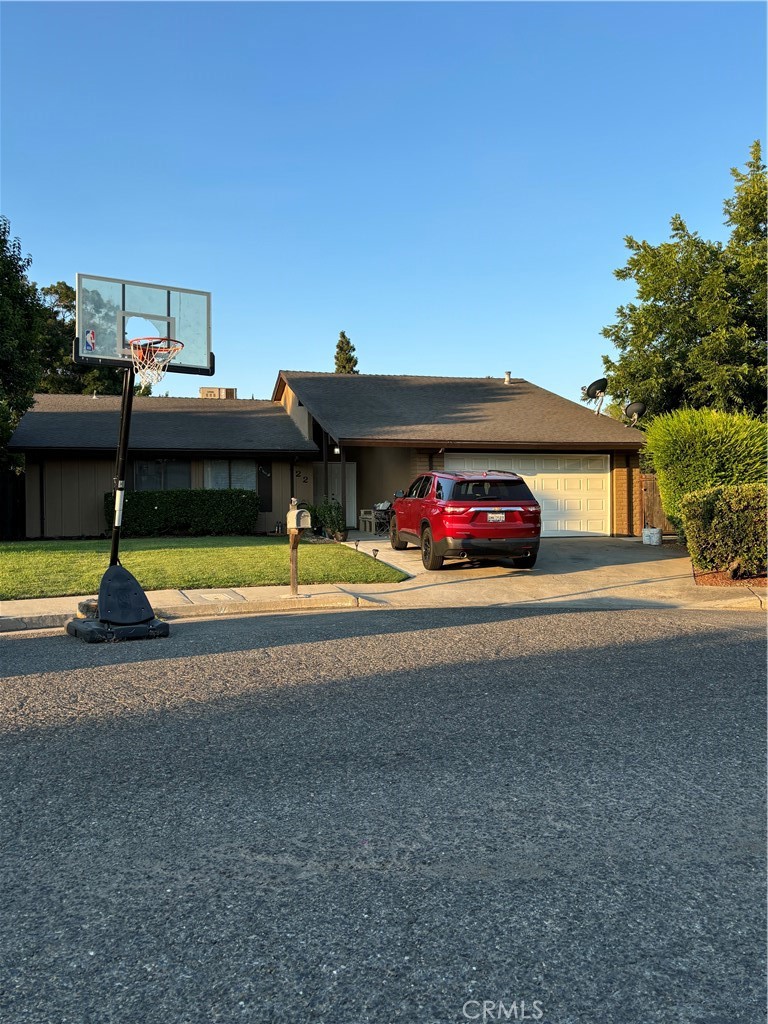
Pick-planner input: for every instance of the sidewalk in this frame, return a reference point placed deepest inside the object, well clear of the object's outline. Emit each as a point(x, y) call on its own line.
point(595, 571)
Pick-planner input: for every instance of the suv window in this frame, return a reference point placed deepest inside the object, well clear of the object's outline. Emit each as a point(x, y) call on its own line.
point(424, 489)
point(443, 488)
point(413, 490)
point(491, 490)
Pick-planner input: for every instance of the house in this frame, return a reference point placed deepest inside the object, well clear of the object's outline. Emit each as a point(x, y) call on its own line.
point(379, 432)
point(373, 432)
point(70, 443)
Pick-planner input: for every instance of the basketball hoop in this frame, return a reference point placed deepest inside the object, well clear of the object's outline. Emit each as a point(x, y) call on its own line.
point(151, 357)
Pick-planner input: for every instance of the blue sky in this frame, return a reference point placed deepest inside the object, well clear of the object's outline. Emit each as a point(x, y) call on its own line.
point(450, 184)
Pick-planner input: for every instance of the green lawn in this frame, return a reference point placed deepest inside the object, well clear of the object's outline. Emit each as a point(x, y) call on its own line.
point(60, 568)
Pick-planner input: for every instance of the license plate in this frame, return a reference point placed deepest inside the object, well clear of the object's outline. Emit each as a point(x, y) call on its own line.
point(496, 517)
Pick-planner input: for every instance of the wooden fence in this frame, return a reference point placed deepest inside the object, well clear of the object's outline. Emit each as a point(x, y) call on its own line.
point(653, 513)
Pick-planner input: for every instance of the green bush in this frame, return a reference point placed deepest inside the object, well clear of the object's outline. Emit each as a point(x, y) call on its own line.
point(186, 513)
point(726, 528)
point(331, 517)
point(693, 449)
point(317, 525)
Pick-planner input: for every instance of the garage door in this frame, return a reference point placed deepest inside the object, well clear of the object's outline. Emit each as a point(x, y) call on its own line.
point(573, 490)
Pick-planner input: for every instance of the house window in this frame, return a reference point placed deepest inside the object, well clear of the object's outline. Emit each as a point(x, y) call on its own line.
point(264, 486)
point(162, 475)
point(244, 474)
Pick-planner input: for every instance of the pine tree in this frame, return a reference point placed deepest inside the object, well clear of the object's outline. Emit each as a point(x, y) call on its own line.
point(346, 360)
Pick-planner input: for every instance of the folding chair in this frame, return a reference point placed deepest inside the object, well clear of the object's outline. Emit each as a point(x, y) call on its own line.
point(382, 513)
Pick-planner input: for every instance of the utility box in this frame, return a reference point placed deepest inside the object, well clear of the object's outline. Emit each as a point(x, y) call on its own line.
point(298, 519)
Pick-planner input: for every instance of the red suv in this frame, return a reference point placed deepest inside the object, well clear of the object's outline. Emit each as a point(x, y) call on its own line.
point(468, 515)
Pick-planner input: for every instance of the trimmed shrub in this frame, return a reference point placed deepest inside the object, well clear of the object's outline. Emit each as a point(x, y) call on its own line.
point(186, 513)
point(726, 528)
point(317, 526)
point(693, 449)
point(331, 516)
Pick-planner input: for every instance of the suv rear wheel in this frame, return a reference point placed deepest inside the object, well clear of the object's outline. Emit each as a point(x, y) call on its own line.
point(527, 562)
point(429, 557)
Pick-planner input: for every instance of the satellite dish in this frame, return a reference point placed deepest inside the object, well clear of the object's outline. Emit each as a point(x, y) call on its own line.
point(596, 390)
point(633, 412)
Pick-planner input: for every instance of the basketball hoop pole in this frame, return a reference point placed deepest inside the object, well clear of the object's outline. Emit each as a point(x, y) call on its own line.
point(129, 379)
point(122, 609)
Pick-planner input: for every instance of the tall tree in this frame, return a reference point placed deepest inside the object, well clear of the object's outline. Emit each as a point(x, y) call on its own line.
point(21, 327)
point(346, 360)
point(59, 375)
point(696, 334)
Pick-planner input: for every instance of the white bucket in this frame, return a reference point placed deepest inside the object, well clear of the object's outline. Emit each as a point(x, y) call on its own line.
point(652, 535)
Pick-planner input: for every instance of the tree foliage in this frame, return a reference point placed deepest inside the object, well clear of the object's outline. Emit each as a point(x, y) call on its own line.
point(21, 328)
point(60, 374)
point(696, 334)
point(346, 360)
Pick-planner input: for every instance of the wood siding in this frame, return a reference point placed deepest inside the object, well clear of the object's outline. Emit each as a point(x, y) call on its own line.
point(380, 472)
point(65, 497)
point(32, 479)
point(297, 412)
point(72, 501)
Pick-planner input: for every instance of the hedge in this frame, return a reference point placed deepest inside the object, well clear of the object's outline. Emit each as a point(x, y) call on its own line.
point(186, 513)
point(693, 449)
point(726, 528)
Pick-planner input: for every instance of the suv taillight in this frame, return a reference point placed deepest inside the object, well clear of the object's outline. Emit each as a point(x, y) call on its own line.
point(454, 510)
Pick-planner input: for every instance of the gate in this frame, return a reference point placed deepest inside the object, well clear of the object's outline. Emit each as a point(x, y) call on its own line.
point(653, 513)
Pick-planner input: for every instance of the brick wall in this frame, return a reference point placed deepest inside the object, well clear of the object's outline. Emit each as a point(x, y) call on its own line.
point(626, 495)
point(423, 461)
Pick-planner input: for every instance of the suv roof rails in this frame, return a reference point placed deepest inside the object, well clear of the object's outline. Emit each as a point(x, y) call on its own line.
point(475, 472)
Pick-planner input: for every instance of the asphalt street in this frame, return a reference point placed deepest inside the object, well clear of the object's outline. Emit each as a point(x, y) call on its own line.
point(384, 816)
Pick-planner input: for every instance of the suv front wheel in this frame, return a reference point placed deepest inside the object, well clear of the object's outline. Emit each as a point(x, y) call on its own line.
point(394, 537)
point(429, 557)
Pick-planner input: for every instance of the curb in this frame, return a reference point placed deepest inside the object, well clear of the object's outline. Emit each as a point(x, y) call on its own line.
point(319, 602)
point(207, 611)
point(303, 603)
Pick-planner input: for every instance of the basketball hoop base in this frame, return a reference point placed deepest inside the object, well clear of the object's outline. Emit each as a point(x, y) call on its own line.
point(122, 612)
point(93, 631)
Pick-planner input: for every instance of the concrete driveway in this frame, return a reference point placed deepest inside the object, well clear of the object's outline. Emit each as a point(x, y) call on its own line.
point(607, 571)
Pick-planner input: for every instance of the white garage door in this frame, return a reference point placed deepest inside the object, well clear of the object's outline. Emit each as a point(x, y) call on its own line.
point(574, 491)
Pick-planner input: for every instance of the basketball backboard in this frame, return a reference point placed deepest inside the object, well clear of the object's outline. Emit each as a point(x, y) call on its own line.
point(111, 312)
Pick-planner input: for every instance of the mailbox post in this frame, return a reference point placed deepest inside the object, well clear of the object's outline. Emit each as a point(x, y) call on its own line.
point(297, 521)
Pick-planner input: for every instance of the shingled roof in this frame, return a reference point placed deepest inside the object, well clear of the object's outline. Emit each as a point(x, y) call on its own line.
point(231, 426)
point(452, 411)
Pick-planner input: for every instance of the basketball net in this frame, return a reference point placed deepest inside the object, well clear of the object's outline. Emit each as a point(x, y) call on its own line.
point(151, 357)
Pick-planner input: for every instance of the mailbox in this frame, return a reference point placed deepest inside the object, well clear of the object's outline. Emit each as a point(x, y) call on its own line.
point(298, 519)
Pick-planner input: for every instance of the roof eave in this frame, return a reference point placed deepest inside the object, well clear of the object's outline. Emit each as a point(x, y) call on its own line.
point(201, 453)
point(475, 444)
